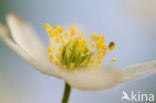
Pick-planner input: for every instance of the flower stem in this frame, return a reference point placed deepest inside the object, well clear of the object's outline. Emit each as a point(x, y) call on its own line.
point(67, 90)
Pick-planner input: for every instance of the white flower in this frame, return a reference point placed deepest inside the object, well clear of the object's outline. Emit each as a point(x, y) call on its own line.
point(31, 49)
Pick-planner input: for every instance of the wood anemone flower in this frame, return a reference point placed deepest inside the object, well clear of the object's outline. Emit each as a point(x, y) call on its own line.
point(72, 57)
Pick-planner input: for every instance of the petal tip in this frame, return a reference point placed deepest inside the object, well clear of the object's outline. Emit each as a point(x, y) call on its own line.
point(138, 70)
point(15, 18)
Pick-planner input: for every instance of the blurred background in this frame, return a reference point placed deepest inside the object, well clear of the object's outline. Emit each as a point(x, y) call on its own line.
point(131, 24)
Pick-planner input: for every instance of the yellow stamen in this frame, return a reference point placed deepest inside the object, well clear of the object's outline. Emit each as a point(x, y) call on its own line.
point(98, 45)
point(98, 37)
point(63, 41)
point(99, 61)
point(72, 65)
point(58, 56)
point(50, 56)
point(85, 42)
point(99, 57)
point(51, 34)
point(47, 27)
point(103, 53)
point(81, 49)
point(49, 50)
point(57, 27)
point(93, 45)
point(66, 34)
point(99, 52)
point(61, 37)
point(73, 30)
point(102, 39)
point(56, 63)
point(93, 36)
point(50, 42)
point(103, 46)
point(60, 49)
point(71, 40)
point(64, 66)
point(113, 60)
point(76, 52)
point(85, 61)
point(79, 45)
point(57, 39)
point(60, 29)
point(92, 61)
point(68, 52)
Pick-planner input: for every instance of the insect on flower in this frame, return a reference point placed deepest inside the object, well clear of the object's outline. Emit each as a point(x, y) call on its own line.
point(72, 57)
point(73, 52)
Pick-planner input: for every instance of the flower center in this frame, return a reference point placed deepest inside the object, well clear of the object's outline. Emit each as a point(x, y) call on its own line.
point(72, 51)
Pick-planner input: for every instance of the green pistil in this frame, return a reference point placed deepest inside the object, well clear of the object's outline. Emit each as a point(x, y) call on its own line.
point(80, 58)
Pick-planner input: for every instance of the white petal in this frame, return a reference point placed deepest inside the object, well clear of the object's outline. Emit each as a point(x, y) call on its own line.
point(138, 70)
point(92, 80)
point(40, 65)
point(24, 36)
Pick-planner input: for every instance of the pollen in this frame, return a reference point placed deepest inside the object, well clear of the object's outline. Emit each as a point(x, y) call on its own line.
point(72, 65)
point(98, 37)
point(85, 62)
point(66, 34)
point(71, 50)
point(68, 52)
point(99, 57)
point(93, 36)
point(113, 60)
point(57, 40)
point(99, 52)
point(60, 49)
point(50, 42)
point(92, 61)
point(56, 63)
point(73, 30)
point(98, 46)
point(47, 27)
point(81, 49)
point(104, 53)
point(51, 34)
point(56, 31)
point(58, 56)
point(63, 41)
point(64, 67)
point(49, 50)
point(93, 45)
point(71, 40)
point(50, 57)
point(57, 27)
point(60, 29)
point(79, 45)
point(99, 61)
point(61, 37)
